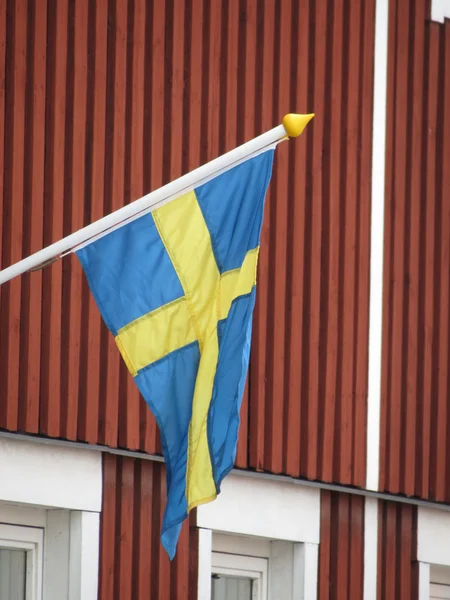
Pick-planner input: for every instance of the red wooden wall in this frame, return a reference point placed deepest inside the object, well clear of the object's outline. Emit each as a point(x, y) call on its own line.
point(341, 552)
point(133, 563)
point(398, 574)
point(415, 432)
point(104, 101)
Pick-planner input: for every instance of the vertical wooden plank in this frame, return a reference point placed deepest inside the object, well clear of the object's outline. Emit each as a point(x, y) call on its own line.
point(386, 359)
point(381, 580)
point(415, 149)
point(397, 551)
point(158, 95)
point(130, 401)
point(49, 419)
point(405, 544)
point(391, 542)
point(108, 528)
point(333, 420)
point(74, 219)
point(436, 266)
point(213, 47)
point(194, 90)
point(15, 82)
point(175, 87)
point(325, 546)
point(164, 579)
point(145, 532)
point(156, 529)
point(248, 104)
point(88, 419)
point(179, 567)
point(340, 548)
point(30, 361)
point(313, 227)
point(442, 416)
point(158, 584)
point(193, 555)
point(114, 187)
point(298, 164)
point(258, 400)
point(422, 484)
point(400, 132)
point(155, 97)
point(125, 539)
point(347, 252)
point(230, 109)
point(356, 548)
point(278, 207)
point(362, 250)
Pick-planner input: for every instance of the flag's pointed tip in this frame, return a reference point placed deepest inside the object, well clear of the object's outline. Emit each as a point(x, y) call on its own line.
point(295, 124)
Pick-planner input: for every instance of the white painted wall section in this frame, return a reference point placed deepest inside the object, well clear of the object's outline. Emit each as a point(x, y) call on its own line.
point(433, 536)
point(56, 554)
point(204, 564)
point(424, 581)
point(440, 10)
point(84, 555)
point(370, 548)
point(264, 508)
point(52, 476)
point(306, 570)
point(377, 243)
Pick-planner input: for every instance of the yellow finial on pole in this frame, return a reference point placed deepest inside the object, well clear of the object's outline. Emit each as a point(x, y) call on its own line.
point(295, 124)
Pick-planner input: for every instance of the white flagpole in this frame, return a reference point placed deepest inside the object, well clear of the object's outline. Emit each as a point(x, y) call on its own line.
point(292, 126)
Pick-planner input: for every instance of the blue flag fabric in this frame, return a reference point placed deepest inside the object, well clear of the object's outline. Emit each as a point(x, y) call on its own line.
point(176, 287)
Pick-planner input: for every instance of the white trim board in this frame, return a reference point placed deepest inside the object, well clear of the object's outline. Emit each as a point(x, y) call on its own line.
point(433, 549)
point(264, 508)
point(30, 539)
point(377, 244)
point(376, 297)
point(370, 548)
point(317, 485)
point(50, 476)
point(440, 10)
point(433, 537)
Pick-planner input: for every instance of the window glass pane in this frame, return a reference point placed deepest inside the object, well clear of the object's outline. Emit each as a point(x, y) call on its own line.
point(438, 591)
point(230, 588)
point(12, 574)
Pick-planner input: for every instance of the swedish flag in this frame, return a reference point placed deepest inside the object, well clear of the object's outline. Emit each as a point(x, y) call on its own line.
point(176, 287)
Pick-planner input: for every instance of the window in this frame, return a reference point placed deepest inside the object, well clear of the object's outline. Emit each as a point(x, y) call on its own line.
point(258, 550)
point(21, 562)
point(440, 9)
point(433, 553)
point(237, 577)
point(439, 582)
point(50, 502)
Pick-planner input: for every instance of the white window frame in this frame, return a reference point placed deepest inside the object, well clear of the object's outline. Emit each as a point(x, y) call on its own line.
point(57, 490)
point(440, 10)
point(247, 567)
point(30, 539)
point(439, 581)
point(433, 549)
point(267, 518)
